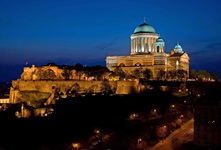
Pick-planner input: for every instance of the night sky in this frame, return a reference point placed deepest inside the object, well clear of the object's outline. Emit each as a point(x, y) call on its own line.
point(86, 31)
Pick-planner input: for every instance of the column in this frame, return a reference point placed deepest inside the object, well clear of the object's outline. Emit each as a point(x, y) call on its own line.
point(149, 45)
point(131, 45)
point(142, 44)
point(152, 46)
point(139, 44)
point(134, 45)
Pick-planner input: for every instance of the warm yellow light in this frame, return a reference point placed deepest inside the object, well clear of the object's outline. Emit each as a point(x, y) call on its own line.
point(97, 131)
point(75, 145)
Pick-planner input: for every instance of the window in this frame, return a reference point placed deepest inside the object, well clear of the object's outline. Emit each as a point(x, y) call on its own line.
point(122, 65)
point(137, 64)
point(158, 48)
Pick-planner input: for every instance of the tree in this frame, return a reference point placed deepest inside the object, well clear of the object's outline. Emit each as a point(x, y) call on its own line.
point(40, 73)
point(98, 71)
point(203, 74)
point(45, 74)
point(95, 71)
point(92, 89)
point(141, 144)
point(50, 74)
point(147, 73)
point(193, 74)
point(119, 71)
point(106, 87)
point(161, 74)
point(67, 72)
point(181, 74)
point(138, 72)
point(79, 70)
point(161, 131)
point(75, 88)
point(179, 122)
point(171, 74)
point(214, 76)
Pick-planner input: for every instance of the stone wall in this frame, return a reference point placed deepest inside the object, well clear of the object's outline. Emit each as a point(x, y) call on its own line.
point(122, 87)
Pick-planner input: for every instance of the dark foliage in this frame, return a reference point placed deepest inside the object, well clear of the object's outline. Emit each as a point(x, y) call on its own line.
point(76, 118)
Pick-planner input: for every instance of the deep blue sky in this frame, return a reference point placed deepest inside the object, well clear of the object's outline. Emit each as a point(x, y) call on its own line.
point(86, 31)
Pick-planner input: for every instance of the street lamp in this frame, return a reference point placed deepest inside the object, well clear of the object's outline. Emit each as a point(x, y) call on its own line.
point(75, 145)
point(139, 140)
point(97, 131)
point(98, 135)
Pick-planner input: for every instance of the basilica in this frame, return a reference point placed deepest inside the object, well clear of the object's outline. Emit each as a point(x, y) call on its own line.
point(148, 52)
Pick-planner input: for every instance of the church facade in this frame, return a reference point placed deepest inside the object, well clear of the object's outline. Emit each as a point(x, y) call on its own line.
point(148, 52)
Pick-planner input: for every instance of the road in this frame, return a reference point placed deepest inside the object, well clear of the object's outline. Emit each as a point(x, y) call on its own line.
point(178, 137)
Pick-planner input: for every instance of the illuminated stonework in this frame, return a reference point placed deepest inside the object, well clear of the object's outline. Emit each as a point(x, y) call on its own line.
point(147, 51)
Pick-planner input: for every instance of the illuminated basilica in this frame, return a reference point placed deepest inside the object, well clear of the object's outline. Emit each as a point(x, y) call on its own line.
point(148, 52)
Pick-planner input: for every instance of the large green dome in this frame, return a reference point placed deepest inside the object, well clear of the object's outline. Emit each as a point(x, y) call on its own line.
point(144, 28)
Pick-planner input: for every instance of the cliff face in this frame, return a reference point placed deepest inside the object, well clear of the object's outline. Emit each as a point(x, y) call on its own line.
point(33, 98)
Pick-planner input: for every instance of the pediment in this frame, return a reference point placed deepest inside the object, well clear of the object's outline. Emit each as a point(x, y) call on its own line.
point(185, 55)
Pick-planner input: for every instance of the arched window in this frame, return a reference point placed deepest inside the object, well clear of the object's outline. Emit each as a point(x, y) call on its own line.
point(158, 49)
point(122, 65)
point(177, 65)
point(138, 64)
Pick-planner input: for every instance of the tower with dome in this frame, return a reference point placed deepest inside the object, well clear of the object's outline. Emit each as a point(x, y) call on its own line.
point(148, 52)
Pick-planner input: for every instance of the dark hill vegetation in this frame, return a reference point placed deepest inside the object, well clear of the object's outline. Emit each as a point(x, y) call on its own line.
point(76, 118)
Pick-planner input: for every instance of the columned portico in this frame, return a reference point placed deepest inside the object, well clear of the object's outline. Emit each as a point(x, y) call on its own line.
point(143, 43)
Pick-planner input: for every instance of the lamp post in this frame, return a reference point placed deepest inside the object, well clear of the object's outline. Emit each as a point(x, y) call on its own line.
point(98, 135)
point(76, 146)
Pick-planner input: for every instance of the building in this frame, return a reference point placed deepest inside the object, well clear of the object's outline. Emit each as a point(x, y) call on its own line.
point(207, 124)
point(148, 51)
point(207, 115)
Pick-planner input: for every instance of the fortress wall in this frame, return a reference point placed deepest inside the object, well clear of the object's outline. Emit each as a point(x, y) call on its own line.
point(43, 86)
point(126, 87)
point(122, 87)
point(46, 86)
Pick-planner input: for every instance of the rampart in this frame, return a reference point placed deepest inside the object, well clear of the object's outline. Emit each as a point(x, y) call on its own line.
point(120, 87)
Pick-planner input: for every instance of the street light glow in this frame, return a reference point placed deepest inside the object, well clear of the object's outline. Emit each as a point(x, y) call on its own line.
point(75, 145)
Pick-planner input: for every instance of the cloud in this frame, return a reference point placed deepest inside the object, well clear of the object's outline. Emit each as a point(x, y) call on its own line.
point(209, 48)
point(109, 45)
